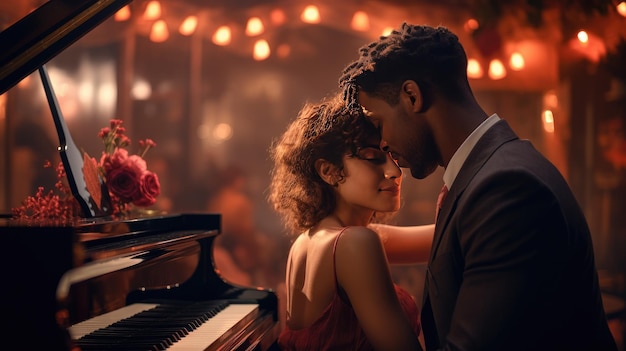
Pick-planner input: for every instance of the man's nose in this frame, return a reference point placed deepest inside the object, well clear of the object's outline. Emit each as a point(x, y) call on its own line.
point(384, 145)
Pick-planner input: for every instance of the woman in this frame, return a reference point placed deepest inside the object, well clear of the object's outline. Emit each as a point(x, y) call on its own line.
point(330, 182)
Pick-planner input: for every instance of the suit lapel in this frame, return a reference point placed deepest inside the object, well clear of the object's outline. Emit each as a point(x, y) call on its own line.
point(497, 135)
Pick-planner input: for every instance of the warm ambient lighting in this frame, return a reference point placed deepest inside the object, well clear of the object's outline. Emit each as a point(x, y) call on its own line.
point(278, 17)
point(254, 27)
point(496, 69)
point(122, 14)
point(386, 31)
point(283, 50)
point(159, 32)
point(548, 121)
point(261, 50)
point(222, 36)
point(311, 14)
point(189, 25)
point(360, 21)
point(470, 25)
point(153, 10)
point(517, 62)
point(621, 8)
point(583, 37)
point(473, 69)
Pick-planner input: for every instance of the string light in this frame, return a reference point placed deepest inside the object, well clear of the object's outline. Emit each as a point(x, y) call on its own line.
point(153, 10)
point(189, 25)
point(516, 62)
point(473, 69)
point(122, 14)
point(360, 21)
point(621, 8)
point(277, 16)
point(548, 121)
point(222, 36)
point(261, 50)
point(496, 69)
point(311, 14)
point(254, 26)
point(159, 32)
point(583, 37)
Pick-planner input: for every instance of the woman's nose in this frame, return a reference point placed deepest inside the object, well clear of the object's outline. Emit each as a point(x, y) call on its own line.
point(392, 170)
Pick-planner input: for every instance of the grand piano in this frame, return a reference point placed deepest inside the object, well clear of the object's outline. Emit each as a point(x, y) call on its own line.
point(146, 282)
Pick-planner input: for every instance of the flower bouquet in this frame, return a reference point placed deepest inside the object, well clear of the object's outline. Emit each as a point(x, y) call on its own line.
point(126, 179)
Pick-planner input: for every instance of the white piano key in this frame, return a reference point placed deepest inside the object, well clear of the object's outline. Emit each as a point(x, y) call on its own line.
point(211, 330)
point(81, 329)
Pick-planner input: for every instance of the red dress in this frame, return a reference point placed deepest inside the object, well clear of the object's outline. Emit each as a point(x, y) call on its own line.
point(338, 328)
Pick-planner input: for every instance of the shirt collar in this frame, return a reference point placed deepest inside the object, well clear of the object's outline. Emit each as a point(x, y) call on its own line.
point(459, 157)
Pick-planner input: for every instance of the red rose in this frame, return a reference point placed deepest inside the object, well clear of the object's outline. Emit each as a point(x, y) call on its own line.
point(124, 181)
point(149, 189)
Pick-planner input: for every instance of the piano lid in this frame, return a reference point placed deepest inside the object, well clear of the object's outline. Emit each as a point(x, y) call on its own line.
point(41, 35)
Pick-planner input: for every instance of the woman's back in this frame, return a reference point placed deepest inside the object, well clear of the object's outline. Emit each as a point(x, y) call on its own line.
point(320, 315)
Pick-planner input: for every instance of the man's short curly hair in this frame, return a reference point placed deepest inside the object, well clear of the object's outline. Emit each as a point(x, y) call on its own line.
point(431, 56)
point(323, 130)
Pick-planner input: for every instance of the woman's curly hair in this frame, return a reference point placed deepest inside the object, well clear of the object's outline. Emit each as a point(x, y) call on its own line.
point(323, 130)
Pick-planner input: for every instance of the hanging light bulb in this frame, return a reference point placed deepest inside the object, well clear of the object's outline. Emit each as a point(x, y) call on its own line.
point(496, 69)
point(153, 10)
point(548, 121)
point(621, 8)
point(122, 14)
point(277, 16)
point(473, 69)
point(386, 31)
point(517, 62)
point(360, 21)
point(189, 25)
point(254, 27)
point(222, 36)
point(311, 14)
point(583, 37)
point(159, 32)
point(261, 50)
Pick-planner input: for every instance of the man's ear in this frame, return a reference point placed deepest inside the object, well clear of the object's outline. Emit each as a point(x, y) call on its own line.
point(326, 171)
point(413, 96)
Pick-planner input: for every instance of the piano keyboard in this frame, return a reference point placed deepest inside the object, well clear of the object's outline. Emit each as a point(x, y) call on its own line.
point(181, 326)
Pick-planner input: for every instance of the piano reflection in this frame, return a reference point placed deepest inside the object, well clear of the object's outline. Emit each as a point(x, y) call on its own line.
point(141, 283)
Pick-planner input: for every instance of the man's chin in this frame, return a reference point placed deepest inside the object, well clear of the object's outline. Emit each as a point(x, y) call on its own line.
point(420, 172)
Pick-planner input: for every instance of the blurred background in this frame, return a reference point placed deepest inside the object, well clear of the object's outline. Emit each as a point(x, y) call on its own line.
point(213, 82)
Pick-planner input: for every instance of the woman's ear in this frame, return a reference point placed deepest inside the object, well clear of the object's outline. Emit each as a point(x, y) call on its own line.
point(326, 171)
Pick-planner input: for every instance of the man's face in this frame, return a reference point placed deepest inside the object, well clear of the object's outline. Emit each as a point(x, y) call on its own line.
point(404, 133)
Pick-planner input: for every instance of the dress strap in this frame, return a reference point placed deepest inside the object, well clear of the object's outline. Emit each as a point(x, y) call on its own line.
point(334, 260)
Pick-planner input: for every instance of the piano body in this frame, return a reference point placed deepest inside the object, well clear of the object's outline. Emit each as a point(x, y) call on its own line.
point(136, 284)
point(103, 283)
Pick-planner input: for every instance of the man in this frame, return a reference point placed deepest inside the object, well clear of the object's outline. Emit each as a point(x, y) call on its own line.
point(512, 265)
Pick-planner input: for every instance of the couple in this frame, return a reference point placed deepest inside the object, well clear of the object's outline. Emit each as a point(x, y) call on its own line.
point(510, 258)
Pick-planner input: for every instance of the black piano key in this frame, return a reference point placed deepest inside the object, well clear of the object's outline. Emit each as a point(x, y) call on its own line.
point(155, 329)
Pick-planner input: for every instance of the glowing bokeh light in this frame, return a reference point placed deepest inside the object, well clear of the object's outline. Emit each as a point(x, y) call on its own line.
point(189, 25)
point(254, 26)
point(261, 50)
point(311, 14)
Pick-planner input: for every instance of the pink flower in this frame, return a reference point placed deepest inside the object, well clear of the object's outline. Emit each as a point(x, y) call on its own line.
point(138, 162)
point(116, 160)
point(150, 188)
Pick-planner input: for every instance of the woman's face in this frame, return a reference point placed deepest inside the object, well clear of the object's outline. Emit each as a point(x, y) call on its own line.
point(372, 180)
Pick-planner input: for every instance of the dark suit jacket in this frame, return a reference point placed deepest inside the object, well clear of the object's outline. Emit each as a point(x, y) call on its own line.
point(512, 264)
